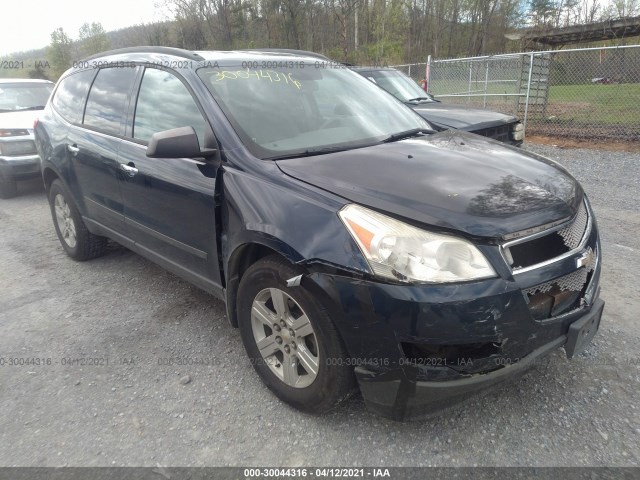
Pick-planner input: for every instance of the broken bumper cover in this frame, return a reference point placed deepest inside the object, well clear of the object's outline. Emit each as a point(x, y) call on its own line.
point(417, 349)
point(398, 395)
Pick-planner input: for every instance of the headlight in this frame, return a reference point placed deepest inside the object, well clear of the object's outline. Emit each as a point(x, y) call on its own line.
point(518, 132)
point(399, 251)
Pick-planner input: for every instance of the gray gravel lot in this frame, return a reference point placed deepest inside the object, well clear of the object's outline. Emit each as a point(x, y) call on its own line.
point(135, 411)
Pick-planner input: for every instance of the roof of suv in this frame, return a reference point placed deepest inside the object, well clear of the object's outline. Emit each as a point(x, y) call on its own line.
point(143, 53)
point(369, 69)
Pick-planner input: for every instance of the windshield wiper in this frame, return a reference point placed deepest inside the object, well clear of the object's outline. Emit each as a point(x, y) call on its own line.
point(36, 107)
point(407, 134)
point(312, 151)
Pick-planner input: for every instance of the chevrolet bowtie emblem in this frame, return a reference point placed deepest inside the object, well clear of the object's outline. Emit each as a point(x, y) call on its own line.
point(585, 259)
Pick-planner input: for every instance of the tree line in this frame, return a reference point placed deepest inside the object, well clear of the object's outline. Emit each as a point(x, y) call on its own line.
point(355, 31)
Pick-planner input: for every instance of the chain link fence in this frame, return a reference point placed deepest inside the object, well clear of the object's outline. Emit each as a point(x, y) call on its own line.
point(417, 71)
point(579, 93)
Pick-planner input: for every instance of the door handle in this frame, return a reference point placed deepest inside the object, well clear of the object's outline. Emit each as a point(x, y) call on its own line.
point(73, 149)
point(129, 169)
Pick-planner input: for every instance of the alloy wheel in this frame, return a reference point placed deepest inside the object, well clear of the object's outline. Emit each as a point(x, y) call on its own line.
point(285, 337)
point(66, 225)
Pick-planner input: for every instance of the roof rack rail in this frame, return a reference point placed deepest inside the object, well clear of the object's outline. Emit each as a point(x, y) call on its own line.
point(287, 50)
point(177, 52)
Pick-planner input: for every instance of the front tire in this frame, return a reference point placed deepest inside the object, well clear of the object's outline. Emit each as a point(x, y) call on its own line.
point(290, 339)
point(79, 243)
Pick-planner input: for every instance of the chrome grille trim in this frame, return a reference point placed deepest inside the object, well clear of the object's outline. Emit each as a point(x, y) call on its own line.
point(533, 232)
point(543, 230)
point(574, 281)
point(565, 226)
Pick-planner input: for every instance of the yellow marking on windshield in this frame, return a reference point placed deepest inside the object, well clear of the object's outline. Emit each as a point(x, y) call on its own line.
point(270, 75)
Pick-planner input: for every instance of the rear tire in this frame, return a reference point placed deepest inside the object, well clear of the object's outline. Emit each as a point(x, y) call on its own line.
point(79, 243)
point(8, 188)
point(301, 356)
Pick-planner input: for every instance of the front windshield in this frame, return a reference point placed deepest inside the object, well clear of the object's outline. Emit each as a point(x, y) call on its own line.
point(24, 96)
point(306, 109)
point(398, 85)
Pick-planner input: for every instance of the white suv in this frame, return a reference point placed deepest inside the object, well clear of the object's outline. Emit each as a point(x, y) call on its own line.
point(20, 99)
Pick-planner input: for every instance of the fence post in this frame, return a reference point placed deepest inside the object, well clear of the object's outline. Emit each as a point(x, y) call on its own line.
point(470, 78)
point(526, 105)
point(486, 82)
point(427, 73)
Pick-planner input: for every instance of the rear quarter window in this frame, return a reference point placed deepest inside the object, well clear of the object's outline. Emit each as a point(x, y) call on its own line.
point(71, 94)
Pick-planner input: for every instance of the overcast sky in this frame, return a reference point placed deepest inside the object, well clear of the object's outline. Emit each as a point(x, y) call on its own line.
point(27, 24)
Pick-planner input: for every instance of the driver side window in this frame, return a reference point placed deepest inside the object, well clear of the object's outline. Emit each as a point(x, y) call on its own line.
point(165, 103)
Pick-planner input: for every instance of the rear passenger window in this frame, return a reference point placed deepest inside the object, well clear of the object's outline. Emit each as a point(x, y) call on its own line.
point(71, 94)
point(107, 99)
point(165, 103)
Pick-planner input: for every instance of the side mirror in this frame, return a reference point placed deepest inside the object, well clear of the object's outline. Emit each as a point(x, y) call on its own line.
point(177, 143)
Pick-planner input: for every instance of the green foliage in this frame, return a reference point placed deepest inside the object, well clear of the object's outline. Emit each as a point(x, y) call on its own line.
point(59, 52)
point(354, 31)
point(542, 12)
point(92, 39)
point(38, 72)
point(384, 52)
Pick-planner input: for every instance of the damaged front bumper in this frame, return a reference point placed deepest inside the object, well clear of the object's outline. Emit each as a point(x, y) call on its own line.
point(399, 395)
point(419, 348)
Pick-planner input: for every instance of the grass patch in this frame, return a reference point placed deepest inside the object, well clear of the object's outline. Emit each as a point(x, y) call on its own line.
point(607, 105)
point(595, 103)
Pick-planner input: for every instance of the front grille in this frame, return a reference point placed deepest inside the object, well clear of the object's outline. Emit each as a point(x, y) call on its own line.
point(501, 133)
point(561, 294)
point(572, 235)
point(574, 281)
point(542, 248)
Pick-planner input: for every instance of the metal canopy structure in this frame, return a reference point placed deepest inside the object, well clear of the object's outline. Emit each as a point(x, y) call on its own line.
point(606, 30)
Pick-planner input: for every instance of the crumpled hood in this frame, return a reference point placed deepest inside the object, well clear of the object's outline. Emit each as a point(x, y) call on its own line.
point(460, 117)
point(453, 180)
point(19, 119)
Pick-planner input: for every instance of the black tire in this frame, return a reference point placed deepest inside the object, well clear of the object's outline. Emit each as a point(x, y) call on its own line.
point(87, 245)
point(8, 188)
point(335, 380)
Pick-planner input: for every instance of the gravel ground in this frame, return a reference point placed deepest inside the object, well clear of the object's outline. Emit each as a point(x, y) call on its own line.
point(135, 411)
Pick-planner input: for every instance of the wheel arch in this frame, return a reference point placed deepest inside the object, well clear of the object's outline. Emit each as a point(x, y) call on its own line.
point(48, 176)
point(50, 173)
point(245, 255)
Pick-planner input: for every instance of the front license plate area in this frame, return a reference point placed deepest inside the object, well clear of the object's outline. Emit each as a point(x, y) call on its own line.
point(582, 331)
